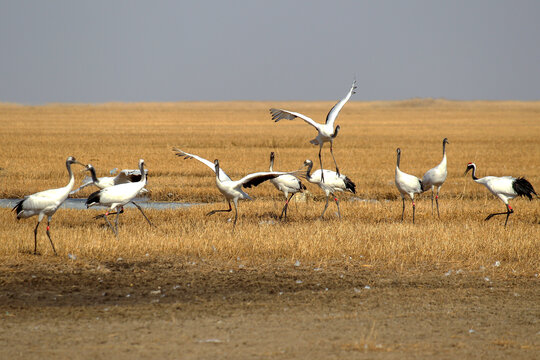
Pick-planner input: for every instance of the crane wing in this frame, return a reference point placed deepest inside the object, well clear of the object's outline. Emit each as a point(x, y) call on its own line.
point(222, 175)
point(260, 177)
point(127, 176)
point(87, 181)
point(279, 114)
point(332, 115)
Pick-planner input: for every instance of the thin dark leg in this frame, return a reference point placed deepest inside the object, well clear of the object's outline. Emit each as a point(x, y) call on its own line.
point(49, 235)
point(413, 208)
point(437, 201)
point(215, 211)
point(116, 222)
point(103, 215)
point(325, 206)
point(335, 163)
point(403, 210)
point(35, 237)
point(284, 211)
point(108, 222)
point(432, 201)
point(509, 211)
point(142, 212)
point(235, 213)
point(337, 203)
point(320, 161)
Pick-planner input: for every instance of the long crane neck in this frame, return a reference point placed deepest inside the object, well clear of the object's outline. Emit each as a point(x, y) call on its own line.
point(272, 163)
point(308, 171)
point(71, 176)
point(93, 174)
point(217, 170)
point(143, 174)
point(474, 173)
point(398, 159)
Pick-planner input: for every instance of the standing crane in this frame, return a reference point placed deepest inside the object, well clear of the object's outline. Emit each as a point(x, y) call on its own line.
point(505, 188)
point(231, 189)
point(407, 185)
point(436, 177)
point(326, 131)
point(334, 182)
point(116, 196)
point(286, 183)
point(46, 203)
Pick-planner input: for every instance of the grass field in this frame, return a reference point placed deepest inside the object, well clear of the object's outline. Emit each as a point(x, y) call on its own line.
point(501, 137)
point(430, 282)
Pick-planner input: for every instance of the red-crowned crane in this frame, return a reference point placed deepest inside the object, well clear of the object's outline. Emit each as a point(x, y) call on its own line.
point(232, 189)
point(504, 187)
point(286, 183)
point(407, 185)
point(333, 183)
point(326, 131)
point(46, 203)
point(125, 176)
point(115, 197)
point(436, 177)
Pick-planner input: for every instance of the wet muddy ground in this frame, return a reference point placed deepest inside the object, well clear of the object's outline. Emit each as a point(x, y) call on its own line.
point(189, 309)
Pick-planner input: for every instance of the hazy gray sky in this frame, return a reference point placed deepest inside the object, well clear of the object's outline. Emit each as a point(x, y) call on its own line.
point(101, 51)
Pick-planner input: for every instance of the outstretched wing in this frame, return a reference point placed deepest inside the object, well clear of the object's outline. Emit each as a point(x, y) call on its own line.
point(332, 115)
point(279, 114)
point(222, 175)
point(126, 176)
point(260, 177)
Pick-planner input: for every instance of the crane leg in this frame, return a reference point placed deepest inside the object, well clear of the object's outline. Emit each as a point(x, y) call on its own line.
point(116, 222)
point(432, 201)
point(413, 208)
point(403, 209)
point(235, 212)
point(509, 211)
point(49, 235)
point(320, 161)
point(142, 212)
point(437, 201)
point(215, 211)
point(103, 215)
point(337, 203)
point(325, 206)
point(335, 163)
point(108, 222)
point(284, 211)
point(35, 237)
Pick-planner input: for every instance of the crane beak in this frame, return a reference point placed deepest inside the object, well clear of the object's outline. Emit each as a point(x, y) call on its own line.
point(466, 171)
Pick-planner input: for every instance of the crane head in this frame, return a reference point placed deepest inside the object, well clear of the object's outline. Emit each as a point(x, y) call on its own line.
point(469, 167)
point(71, 160)
point(445, 141)
point(88, 167)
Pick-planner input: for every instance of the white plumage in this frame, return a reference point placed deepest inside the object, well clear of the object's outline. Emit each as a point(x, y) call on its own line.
point(287, 184)
point(116, 196)
point(125, 176)
point(46, 203)
point(504, 187)
point(436, 177)
point(332, 183)
point(407, 185)
point(232, 189)
point(326, 131)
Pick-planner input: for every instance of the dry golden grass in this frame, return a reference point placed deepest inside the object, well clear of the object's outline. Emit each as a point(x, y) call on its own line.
point(501, 137)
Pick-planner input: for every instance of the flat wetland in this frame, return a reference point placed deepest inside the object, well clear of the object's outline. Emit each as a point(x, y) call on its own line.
point(365, 286)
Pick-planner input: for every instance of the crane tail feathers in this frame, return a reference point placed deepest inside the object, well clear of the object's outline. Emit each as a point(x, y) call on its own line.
point(18, 208)
point(523, 188)
point(93, 199)
point(349, 185)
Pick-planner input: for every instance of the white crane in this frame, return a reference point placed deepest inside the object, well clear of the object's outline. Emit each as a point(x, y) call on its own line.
point(232, 190)
point(46, 203)
point(407, 185)
point(333, 182)
point(285, 183)
point(436, 177)
point(505, 188)
point(125, 176)
point(116, 196)
point(327, 133)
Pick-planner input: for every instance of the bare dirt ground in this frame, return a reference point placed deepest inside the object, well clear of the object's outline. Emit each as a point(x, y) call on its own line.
point(182, 308)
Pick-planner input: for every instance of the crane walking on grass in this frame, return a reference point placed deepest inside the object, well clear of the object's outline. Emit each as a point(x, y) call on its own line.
point(125, 176)
point(436, 177)
point(326, 131)
point(232, 190)
point(46, 203)
point(287, 184)
point(505, 188)
point(333, 182)
point(115, 197)
point(407, 185)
